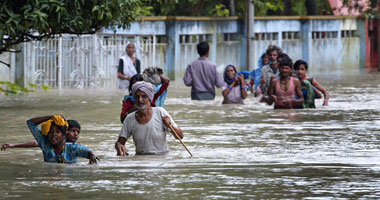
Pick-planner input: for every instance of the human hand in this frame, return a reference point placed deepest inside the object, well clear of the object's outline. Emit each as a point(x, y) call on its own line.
point(166, 121)
point(93, 159)
point(262, 81)
point(287, 102)
point(121, 150)
point(273, 98)
point(6, 145)
point(241, 78)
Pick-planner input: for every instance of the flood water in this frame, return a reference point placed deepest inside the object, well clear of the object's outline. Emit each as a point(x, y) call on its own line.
point(240, 151)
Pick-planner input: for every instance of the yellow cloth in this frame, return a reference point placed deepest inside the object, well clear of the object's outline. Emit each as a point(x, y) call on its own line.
point(57, 119)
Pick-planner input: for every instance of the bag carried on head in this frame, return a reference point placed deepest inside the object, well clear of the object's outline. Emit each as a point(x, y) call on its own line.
point(152, 75)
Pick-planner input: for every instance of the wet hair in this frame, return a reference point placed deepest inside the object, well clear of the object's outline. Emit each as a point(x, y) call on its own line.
point(134, 79)
point(73, 124)
point(225, 71)
point(273, 48)
point(286, 61)
point(298, 63)
point(202, 48)
point(282, 55)
point(61, 128)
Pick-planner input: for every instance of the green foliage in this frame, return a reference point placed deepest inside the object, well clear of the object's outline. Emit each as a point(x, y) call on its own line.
point(217, 8)
point(220, 10)
point(25, 20)
point(186, 8)
point(7, 88)
point(299, 7)
point(45, 87)
point(11, 88)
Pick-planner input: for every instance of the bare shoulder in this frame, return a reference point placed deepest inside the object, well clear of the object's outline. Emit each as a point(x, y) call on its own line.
point(296, 81)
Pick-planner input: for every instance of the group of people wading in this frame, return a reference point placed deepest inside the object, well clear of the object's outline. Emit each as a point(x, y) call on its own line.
point(276, 81)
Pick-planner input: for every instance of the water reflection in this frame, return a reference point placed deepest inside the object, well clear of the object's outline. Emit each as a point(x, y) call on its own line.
point(245, 151)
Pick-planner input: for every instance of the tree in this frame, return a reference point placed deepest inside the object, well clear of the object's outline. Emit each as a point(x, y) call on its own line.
point(367, 7)
point(311, 7)
point(26, 20)
point(222, 8)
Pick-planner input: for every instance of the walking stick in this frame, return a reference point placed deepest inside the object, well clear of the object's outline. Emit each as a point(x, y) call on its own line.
point(176, 135)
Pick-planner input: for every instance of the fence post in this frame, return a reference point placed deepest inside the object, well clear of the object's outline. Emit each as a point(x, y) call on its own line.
point(154, 51)
point(95, 61)
point(242, 31)
point(214, 44)
point(361, 31)
point(306, 39)
point(60, 64)
point(250, 35)
point(173, 48)
point(20, 66)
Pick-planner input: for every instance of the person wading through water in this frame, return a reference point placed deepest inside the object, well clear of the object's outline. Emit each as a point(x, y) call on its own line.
point(282, 91)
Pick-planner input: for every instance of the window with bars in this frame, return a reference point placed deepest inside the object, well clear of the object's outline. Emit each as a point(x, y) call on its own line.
point(348, 33)
point(183, 39)
point(291, 35)
point(266, 36)
point(231, 37)
point(324, 34)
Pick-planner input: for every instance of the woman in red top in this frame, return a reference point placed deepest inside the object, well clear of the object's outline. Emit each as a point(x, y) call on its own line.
point(129, 102)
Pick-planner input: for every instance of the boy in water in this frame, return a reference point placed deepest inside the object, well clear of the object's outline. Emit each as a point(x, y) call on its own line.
point(51, 139)
point(72, 135)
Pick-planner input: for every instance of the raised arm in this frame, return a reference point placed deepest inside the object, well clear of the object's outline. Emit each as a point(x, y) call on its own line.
point(323, 90)
point(39, 120)
point(243, 88)
point(42, 141)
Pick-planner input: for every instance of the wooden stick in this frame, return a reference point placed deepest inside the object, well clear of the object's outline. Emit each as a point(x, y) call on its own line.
point(176, 135)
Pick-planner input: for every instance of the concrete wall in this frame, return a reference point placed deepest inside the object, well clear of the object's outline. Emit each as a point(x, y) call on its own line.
point(7, 71)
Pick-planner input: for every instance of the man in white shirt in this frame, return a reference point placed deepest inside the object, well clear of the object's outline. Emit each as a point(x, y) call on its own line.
point(148, 125)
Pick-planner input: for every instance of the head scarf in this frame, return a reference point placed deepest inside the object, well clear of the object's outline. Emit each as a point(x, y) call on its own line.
point(229, 81)
point(57, 119)
point(146, 87)
point(226, 79)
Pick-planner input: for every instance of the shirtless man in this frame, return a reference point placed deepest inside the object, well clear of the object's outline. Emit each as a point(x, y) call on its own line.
point(282, 91)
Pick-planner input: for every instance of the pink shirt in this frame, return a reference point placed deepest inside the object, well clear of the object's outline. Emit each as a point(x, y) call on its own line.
point(282, 95)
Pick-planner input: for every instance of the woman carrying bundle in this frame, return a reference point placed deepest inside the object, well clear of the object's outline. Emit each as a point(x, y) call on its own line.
point(235, 88)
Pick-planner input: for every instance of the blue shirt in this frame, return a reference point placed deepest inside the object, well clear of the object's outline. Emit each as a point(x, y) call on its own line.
point(70, 153)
